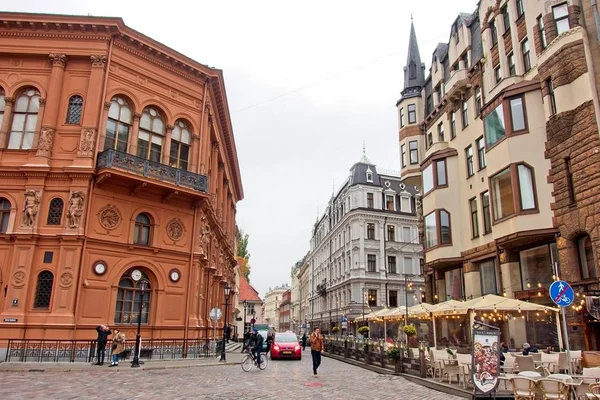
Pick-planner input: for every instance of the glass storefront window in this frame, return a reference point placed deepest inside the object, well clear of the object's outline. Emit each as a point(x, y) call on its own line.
point(487, 270)
point(537, 265)
point(454, 284)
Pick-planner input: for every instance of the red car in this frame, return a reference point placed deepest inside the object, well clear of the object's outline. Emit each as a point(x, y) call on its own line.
point(285, 345)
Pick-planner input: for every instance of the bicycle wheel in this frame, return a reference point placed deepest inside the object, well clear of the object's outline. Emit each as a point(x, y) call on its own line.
point(264, 363)
point(247, 363)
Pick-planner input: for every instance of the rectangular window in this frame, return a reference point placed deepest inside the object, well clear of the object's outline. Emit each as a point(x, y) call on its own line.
point(481, 162)
point(477, 101)
point(487, 219)
point(454, 284)
point(408, 265)
point(401, 117)
point(371, 231)
point(453, 126)
point(403, 153)
point(372, 297)
point(391, 233)
point(511, 65)
point(536, 265)
point(405, 204)
point(370, 200)
point(570, 185)
point(440, 169)
point(494, 126)
point(392, 265)
point(487, 272)
point(434, 176)
point(542, 31)
point(520, 8)
point(429, 105)
point(517, 114)
point(445, 230)
point(551, 96)
point(428, 179)
point(431, 239)
point(371, 263)
point(469, 158)
point(526, 189)
point(414, 155)
point(505, 18)
point(526, 55)
point(494, 33)
point(441, 131)
point(389, 202)
point(393, 301)
point(497, 74)
point(429, 139)
point(561, 18)
point(465, 114)
point(502, 194)
point(412, 114)
point(406, 235)
point(465, 59)
point(474, 218)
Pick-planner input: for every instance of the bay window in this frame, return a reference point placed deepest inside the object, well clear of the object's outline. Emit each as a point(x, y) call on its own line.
point(435, 176)
point(517, 114)
point(513, 191)
point(494, 126)
point(437, 229)
point(561, 18)
point(502, 194)
point(508, 118)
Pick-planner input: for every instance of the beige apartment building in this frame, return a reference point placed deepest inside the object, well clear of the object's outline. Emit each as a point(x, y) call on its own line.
point(502, 135)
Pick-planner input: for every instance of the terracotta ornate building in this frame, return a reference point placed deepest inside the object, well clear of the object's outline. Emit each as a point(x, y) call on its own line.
point(503, 133)
point(116, 155)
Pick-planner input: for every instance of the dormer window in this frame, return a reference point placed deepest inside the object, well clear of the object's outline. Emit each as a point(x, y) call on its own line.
point(412, 70)
point(369, 175)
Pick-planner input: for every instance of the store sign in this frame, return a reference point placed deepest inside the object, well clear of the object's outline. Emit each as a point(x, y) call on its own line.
point(486, 357)
point(11, 320)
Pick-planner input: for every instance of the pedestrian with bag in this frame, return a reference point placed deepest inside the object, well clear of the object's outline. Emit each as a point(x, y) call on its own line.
point(118, 345)
point(316, 346)
point(103, 333)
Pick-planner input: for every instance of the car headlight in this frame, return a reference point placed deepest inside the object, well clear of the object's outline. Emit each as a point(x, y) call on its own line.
point(297, 348)
point(275, 347)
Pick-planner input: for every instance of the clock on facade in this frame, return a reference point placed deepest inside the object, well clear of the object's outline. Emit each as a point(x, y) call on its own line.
point(174, 275)
point(136, 275)
point(100, 268)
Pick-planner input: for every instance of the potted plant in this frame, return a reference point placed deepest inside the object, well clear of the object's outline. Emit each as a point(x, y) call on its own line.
point(364, 330)
point(410, 330)
point(393, 354)
point(335, 330)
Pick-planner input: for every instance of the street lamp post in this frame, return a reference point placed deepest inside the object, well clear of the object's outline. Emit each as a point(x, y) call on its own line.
point(136, 359)
point(227, 291)
point(245, 306)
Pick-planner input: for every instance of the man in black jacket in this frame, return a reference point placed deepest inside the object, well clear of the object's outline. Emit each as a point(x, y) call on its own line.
point(103, 333)
point(258, 345)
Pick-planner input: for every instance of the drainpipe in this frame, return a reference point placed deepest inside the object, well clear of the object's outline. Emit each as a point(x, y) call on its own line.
point(596, 19)
point(91, 189)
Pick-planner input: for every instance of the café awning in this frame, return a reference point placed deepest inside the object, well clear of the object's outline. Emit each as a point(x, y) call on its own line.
point(493, 302)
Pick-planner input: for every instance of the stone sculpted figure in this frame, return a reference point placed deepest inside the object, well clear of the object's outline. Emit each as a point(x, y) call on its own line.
point(30, 207)
point(75, 210)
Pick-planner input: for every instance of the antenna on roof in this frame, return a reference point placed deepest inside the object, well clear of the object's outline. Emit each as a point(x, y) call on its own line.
point(411, 17)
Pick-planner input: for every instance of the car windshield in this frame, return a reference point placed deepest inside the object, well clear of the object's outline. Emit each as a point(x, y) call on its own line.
point(285, 338)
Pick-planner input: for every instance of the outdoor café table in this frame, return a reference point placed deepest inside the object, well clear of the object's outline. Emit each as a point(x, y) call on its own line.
point(545, 364)
point(571, 383)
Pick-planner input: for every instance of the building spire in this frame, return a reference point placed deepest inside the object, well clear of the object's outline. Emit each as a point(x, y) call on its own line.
point(364, 159)
point(414, 71)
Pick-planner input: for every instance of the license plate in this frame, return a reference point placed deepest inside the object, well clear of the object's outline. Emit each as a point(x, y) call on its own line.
point(287, 352)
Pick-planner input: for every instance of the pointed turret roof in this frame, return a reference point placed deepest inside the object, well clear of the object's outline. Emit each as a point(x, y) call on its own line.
point(414, 71)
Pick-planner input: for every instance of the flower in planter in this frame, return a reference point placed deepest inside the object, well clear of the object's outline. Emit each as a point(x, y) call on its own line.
point(363, 330)
point(393, 353)
point(409, 330)
point(335, 329)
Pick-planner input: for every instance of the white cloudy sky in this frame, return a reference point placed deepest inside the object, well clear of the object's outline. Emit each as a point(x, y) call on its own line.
point(307, 82)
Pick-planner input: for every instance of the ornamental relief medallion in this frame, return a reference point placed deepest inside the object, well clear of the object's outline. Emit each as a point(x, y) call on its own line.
point(109, 216)
point(175, 229)
point(66, 279)
point(19, 278)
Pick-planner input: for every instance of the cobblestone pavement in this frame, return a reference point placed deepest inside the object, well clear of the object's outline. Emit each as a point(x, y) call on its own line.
point(281, 380)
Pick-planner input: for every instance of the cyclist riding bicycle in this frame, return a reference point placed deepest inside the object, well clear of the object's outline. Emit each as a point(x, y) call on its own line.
point(258, 345)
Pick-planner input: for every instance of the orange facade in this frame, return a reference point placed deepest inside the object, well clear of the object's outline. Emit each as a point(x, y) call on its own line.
point(116, 154)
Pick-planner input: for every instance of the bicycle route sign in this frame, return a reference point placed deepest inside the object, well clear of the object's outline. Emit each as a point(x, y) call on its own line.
point(561, 293)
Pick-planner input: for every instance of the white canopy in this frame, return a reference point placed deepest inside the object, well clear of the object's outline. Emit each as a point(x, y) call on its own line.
point(451, 307)
point(493, 302)
point(423, 309)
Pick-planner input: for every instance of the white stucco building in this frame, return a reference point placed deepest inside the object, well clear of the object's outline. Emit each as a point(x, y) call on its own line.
point(272, 301)
point(365, 248)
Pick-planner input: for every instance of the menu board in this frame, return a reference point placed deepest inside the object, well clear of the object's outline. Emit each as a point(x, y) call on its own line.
point(486, 359)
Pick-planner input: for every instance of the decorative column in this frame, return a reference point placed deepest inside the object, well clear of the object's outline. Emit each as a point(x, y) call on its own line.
point(195, 154)
point(9, 103)
point(167, 146)
point(88, 137)
point(133, 135)
point(205, 139)
point(45, 140)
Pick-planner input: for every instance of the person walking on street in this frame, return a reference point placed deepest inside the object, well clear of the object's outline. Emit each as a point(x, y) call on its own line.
point(117, 347)
point(103, 333)
point(316, 346)
point(304, 340)
point(270, 337)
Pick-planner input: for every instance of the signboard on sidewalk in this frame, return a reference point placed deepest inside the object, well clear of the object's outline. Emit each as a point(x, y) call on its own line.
point(486, 357)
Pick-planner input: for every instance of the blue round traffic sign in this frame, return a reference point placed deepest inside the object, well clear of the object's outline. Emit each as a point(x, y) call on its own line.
point(561, 293)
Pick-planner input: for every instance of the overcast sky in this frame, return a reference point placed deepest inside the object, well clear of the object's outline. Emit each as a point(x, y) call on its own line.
point(307, 82)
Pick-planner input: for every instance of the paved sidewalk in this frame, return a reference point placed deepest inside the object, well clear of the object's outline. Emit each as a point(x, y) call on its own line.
point(232, 359)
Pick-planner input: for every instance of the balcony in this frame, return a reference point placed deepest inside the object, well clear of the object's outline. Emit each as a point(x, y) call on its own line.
point(113, 159)
point(458, 79)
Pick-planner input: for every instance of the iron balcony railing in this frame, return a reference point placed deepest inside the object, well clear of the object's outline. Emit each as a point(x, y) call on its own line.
point(34, 350)
point(140, 166)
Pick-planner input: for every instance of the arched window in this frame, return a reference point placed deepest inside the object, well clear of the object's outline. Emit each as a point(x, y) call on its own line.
point(4, 214)
point(2, 104)
point(118, 125)
point(180, 145)
point(141, 233)
point(75, 110)
point(129, 298)
point(55, 211)
point(586, 257)
point(43, 292)
point(151, 135)
point(24, 120)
